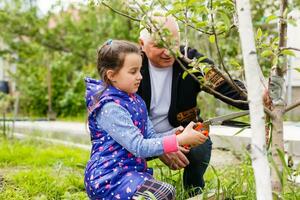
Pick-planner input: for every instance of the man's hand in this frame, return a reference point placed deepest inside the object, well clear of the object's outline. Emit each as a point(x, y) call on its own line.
point(175, 160)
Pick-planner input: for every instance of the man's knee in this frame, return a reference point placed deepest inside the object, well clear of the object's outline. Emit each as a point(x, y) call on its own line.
point(201, 154)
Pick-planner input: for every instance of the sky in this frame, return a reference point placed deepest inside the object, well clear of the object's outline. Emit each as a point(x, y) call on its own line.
point(45, 5)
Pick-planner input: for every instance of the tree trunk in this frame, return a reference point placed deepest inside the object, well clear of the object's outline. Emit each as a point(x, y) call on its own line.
point(255, 93)
point(51, 114)
point(277, 143)
point(277, 92)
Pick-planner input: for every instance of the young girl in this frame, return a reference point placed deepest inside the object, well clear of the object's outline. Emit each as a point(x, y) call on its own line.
point(122, 135)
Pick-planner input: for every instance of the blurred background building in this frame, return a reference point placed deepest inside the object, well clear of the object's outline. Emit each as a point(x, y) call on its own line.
point(293, 76)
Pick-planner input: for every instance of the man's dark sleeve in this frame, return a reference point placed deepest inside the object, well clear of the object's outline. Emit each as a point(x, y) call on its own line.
point(193, 53)
point(225, 88)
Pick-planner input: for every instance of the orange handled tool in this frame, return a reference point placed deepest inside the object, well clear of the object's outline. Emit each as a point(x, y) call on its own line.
point(198, 127)
point(204, 126)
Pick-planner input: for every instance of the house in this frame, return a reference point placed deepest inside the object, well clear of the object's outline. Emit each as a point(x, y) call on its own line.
point(4, 65)
point(293, 76)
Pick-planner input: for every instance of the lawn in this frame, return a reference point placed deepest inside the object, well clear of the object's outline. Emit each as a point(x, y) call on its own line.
point(31, 169)
point(36, 170)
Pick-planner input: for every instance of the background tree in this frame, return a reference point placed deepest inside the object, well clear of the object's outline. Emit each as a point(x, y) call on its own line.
point(64, 42)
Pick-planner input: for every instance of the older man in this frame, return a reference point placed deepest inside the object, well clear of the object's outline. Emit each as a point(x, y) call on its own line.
point(171, 100)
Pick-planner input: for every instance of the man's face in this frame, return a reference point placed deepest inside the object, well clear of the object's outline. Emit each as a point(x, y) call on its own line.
point(158, 56)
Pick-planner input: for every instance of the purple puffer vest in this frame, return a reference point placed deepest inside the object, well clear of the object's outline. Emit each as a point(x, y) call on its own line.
point(113, 172)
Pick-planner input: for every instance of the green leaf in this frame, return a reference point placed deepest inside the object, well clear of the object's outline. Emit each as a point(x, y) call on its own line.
point(179, 6)
point(201, 79)
point(275, 61)
point(189, 71)
point(285, 12)
point(190, 2)
point(297, 69)
point(283, 161)
point(171, 12)
point(241, 130)
point(228, 3)
point(240, 197)
point(200, 59)
point(287, 52)
point(258, 34)
point(292, 22)
point(218, 181)
point(270, 18)
point(266, 53)
point(203, 10)
point(151, 195)
point(212, 39)
point(225, 18)
point(205, 69)
point(275, 40)
point(271, 160)
point(201, 24)
point(234, 63)
point(264, 45)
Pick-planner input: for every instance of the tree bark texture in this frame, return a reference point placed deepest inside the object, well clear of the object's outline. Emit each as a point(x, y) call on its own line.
point(255, 93)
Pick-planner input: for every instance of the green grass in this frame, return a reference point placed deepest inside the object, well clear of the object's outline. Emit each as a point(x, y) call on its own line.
point(231, 182)
point(37, 170)
point(79, 118)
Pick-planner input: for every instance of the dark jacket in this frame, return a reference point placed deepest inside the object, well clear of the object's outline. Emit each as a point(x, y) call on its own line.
point(184, 91)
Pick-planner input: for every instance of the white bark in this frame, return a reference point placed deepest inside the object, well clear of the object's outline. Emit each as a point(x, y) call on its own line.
point(255, 92)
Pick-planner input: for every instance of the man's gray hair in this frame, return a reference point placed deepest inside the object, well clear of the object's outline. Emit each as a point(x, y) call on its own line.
point(145, 35)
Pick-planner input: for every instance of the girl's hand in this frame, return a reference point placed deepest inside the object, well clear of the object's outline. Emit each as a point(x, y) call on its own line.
point(190, 136)
point(179, 128)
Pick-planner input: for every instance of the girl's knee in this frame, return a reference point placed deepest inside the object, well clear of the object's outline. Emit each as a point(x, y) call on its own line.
point(171, 192)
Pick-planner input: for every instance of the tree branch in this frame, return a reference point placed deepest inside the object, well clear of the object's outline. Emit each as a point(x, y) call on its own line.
point(269, 112)
point(56, 47)
point(289, 48)
point(231, 82)
point(205, 87)
point(292, 106)
point(282, 35)
point(185, 32)
point(119, 12)
point(193, 27)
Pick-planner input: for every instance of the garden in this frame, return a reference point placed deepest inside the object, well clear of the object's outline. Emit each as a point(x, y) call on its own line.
point(45, 57)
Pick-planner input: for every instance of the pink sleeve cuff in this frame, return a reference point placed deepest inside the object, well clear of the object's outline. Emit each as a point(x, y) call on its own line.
point(170, 143)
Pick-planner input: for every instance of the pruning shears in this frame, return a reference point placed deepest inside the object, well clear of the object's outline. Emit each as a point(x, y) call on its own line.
point(204, 126)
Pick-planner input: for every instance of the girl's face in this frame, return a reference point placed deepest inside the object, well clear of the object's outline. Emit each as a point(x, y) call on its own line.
point(128, 78)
